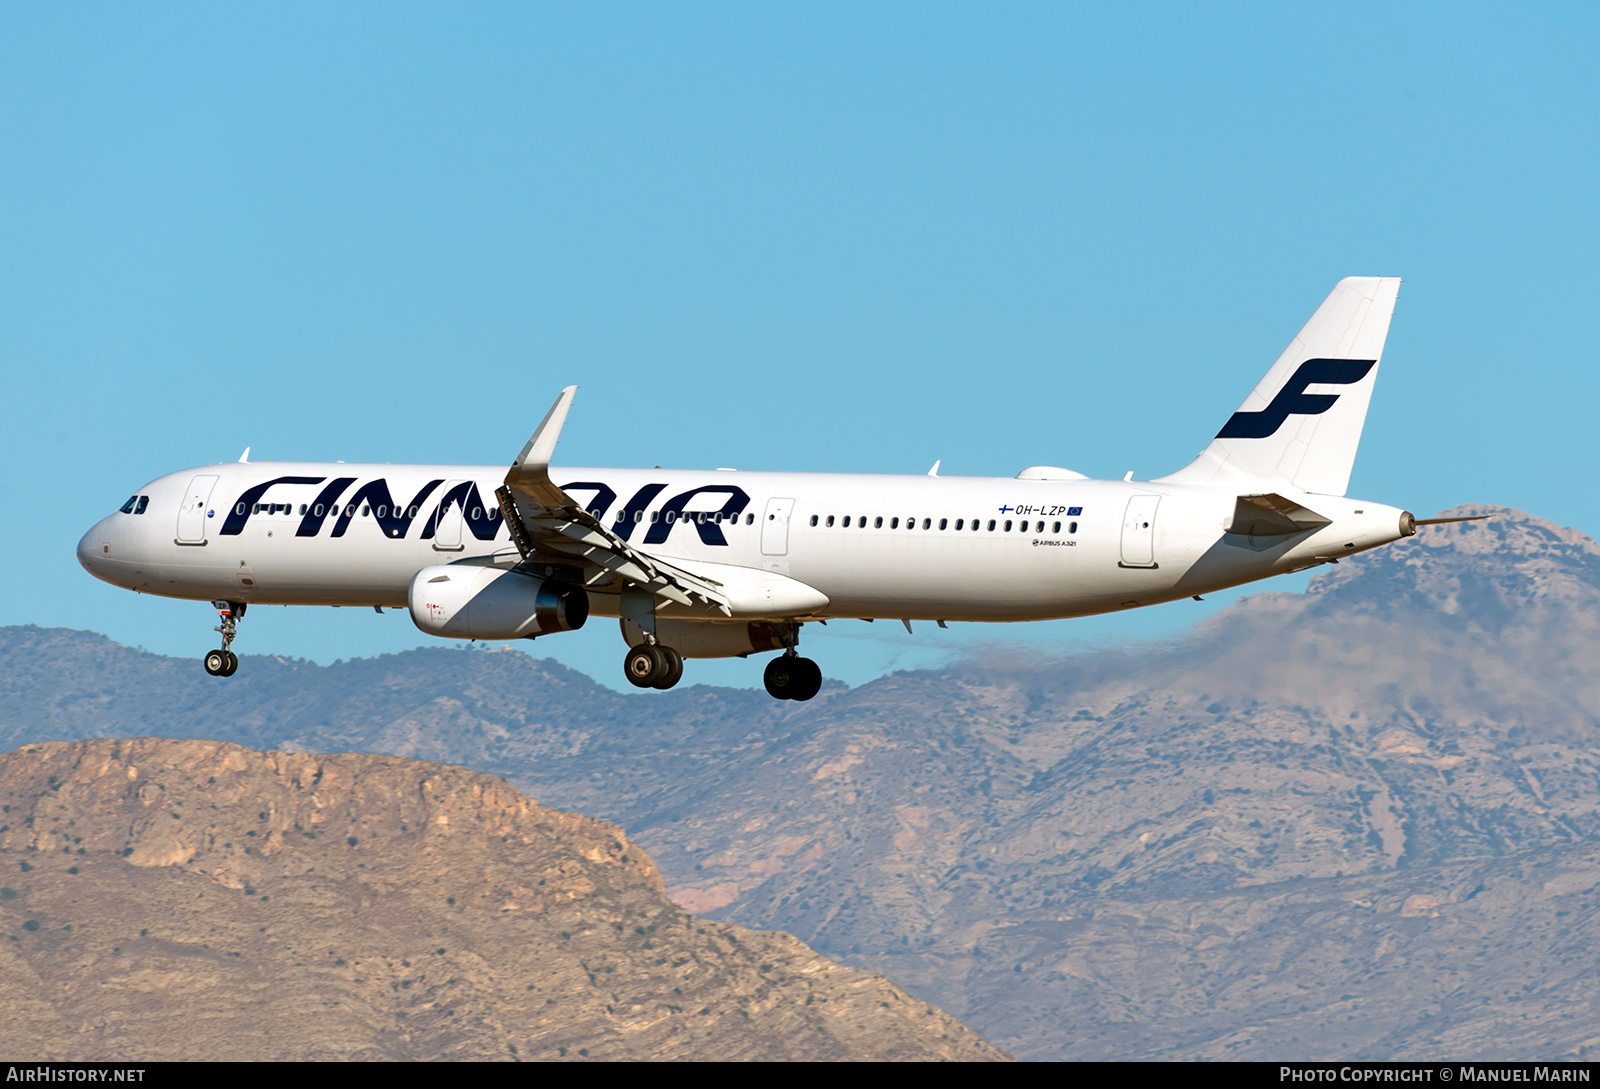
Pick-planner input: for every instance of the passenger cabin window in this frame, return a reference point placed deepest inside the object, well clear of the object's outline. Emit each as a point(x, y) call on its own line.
point(1072, 527)
point(991, 525)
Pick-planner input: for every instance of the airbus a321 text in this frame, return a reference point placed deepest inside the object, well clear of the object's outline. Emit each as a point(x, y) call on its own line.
point(722, 563)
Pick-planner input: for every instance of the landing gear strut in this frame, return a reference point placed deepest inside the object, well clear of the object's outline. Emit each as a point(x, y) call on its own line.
point(651, 665)
point(791, 677)
point(223, 662)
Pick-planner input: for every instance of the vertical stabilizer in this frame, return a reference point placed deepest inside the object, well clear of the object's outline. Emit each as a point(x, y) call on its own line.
point(1302, 423)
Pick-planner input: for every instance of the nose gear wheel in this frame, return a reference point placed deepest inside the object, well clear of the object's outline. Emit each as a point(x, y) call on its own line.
point(223, 662)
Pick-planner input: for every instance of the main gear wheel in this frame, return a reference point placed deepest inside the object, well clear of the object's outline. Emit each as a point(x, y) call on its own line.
point(790, 677)
point(651, 665)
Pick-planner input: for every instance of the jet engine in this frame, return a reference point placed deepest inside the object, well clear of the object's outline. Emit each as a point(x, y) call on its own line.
point(458, 601)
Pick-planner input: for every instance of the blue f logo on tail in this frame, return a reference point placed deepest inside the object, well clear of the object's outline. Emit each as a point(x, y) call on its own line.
point(1293, 400)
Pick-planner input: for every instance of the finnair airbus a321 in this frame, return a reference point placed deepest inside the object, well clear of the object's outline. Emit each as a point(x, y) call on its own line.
point(722, 563)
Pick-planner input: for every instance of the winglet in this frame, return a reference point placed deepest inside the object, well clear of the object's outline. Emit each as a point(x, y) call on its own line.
point(935, 470)
point(244, 458)
point(530, 473)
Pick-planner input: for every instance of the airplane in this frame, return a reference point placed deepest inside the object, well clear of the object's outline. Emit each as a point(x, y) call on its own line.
point(727, 563)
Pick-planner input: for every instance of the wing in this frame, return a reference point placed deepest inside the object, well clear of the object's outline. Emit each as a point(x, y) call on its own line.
point(548, 525)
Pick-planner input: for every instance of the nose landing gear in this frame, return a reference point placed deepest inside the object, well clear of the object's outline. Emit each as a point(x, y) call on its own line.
point(223, 662)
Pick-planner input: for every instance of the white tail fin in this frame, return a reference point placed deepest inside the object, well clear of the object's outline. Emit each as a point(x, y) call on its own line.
point(1286, 433)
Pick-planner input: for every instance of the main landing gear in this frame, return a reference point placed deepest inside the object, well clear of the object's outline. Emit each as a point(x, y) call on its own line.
point(651, 665)
point(223, 662)
point(791, 677)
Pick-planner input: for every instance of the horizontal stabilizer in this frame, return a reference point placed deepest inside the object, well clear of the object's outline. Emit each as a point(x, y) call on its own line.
point(1272, 515)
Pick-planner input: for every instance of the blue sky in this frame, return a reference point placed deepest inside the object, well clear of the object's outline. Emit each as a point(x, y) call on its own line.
point(780, 237)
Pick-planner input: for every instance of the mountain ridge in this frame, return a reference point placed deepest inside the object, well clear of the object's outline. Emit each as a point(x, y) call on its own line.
point(209, 900)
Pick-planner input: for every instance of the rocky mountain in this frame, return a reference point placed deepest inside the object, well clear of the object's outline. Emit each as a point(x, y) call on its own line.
point(181, 900)
point(1356, 821)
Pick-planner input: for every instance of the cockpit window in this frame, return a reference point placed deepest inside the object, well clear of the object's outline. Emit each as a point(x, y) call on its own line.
point(144, 502)
point(127, 508)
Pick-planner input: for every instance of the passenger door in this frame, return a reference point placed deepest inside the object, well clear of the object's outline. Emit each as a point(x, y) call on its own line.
point(1139, 532)
point(192, 513)
point(447, 535)
point(775, 527)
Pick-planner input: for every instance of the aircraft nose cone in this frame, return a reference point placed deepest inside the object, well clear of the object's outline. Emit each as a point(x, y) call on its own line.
point(86, 551)
point(90, 548)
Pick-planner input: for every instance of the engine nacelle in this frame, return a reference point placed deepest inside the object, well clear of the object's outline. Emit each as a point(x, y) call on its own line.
point(458, 601)
point(710, 639)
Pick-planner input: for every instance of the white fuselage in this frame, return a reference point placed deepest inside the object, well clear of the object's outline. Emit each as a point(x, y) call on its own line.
point(916, 547)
